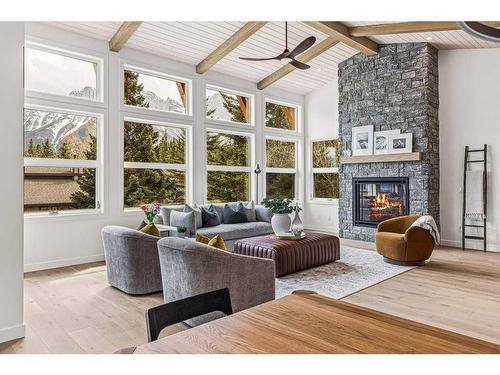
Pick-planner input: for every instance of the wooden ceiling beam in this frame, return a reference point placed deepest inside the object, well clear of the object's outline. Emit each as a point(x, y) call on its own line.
point(407, 28)
point(230, 44)
point(122, 35)
point(308, 55)
point(340, 31)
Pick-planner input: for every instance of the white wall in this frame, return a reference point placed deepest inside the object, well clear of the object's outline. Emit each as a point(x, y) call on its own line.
point(11, 165)
point(58, 241)
point(321, 118)
point(469, 92)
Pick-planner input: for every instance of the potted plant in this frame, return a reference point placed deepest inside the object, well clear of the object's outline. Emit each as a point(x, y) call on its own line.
point(181, 231)
point(281, 209)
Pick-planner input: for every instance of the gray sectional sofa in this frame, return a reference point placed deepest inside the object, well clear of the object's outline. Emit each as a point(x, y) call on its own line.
point(229, 232)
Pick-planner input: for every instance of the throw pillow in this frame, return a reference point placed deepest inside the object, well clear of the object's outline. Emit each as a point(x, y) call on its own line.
point(232, 216)
point(210, 217)
point(201, 238)
point(141, 225)
point(165, 213)
point(183, 218)
point(218, 243)
point(263, 214)
point(151, 230)
point(197, 214)
point(249, 210)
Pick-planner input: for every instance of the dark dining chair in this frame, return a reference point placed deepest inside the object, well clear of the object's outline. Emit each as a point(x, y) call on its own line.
point(165, 315)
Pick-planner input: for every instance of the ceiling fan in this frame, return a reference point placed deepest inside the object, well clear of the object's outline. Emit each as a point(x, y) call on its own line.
point(287, 54)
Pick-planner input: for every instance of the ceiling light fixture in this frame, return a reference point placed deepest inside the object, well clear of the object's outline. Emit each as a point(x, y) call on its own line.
point(429, 38)
point(319, 69)
point(480, 30)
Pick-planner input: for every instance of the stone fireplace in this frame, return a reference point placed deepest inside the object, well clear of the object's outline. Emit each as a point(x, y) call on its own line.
point(395, 89)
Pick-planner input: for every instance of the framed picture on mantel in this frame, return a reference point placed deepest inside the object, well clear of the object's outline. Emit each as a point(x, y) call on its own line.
point(381, 141)
point(362, 140)
point(400, 143)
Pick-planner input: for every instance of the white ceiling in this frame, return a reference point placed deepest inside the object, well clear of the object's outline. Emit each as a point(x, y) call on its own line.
point(191, 42)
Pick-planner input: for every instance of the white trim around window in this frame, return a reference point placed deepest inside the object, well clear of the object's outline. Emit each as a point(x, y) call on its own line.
point(186, 167)
point(310, 180)
point(298, 117)
point(217, 122)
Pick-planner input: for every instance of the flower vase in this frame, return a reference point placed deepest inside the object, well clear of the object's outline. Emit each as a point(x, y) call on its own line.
point(297, 227)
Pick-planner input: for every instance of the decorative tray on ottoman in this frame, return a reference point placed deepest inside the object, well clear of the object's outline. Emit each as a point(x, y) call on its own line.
point(290, 236)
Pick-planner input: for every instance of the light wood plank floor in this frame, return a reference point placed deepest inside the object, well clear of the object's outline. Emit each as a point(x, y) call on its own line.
point(74, 310)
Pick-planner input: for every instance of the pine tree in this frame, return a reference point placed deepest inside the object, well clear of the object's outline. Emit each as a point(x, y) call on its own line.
point(31, 151)
point(47, 150)
point(275, 117)
point(64, 151)
point(85, 197)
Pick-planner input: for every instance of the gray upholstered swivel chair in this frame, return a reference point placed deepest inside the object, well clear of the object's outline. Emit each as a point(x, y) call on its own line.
point(189, 268)
point(132, 261)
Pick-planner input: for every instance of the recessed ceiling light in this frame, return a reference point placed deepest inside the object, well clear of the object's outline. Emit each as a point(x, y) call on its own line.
point(319, 69)
point(429, 38)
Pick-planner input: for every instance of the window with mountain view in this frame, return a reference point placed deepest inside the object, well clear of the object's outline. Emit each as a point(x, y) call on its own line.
point(155, 164)
point(58, 74)
point(156, 92)
point(280, 116)
point(228, 169)
point(280, 168)
point(61, 160)
point(226, 106)
point(325, 161)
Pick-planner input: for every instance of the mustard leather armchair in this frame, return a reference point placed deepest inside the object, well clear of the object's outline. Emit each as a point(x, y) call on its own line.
point(399, 243)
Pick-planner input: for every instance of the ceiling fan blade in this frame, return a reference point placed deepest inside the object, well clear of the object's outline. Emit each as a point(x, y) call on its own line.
point(305, 44)
point(279, 57)
point(299, 65)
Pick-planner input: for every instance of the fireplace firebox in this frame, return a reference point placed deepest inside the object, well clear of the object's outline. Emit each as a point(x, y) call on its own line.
point(376, 199)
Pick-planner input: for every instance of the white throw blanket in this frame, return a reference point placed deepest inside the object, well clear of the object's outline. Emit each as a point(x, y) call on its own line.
point(427, 222)
point(474, 203)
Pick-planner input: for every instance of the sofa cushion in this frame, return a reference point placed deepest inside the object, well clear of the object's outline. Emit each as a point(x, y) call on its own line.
point(197, 214)
point(237, 231)
point(234, 216)
point(183, 218)
point(165, 213)
point(249, 210)
point(263, 214)
point(210, 217)
point(218, 243)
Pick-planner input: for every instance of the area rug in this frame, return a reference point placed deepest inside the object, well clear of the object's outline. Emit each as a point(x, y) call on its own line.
point(357, 269)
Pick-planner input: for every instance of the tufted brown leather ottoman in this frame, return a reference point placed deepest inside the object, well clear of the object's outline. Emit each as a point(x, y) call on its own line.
point(291, 256)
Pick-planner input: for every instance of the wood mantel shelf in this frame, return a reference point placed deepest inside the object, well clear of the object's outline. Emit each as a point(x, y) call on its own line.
point(383, 158)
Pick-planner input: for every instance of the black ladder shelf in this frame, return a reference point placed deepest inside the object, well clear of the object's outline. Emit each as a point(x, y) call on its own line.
point(467, 162)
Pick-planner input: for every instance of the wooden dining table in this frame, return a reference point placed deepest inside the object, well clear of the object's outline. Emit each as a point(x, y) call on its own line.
point(312, 323)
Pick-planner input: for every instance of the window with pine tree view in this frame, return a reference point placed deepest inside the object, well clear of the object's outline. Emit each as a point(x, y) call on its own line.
point(280, 168)
point(154, 154)
point(58, 74)
point(157, 93)
point(51, 137)
point(279, 116)
point(325, 161)
point(228, 170)
point(224, 106)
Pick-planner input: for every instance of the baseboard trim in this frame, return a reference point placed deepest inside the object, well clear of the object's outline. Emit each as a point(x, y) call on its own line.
point(63, 263)
point(12, 333)
point(492, 247)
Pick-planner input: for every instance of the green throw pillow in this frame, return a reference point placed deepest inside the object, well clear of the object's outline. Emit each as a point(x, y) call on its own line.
point(151, 230)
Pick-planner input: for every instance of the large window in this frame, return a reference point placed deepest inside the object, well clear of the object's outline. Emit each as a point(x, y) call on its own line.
point(281, 116)
point(155, 163)
point(228, 166)
point(228, 106)
point(325, 161)
point(154, 91)
point(281, 168)
point(61, 160)
point(61, 73)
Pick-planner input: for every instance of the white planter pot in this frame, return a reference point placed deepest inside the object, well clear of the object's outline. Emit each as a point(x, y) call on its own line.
point(281, 223)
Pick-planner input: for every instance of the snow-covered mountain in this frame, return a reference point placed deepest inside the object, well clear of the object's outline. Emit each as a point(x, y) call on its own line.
point(155, 102)
point(58, 128)
point(216, 104)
